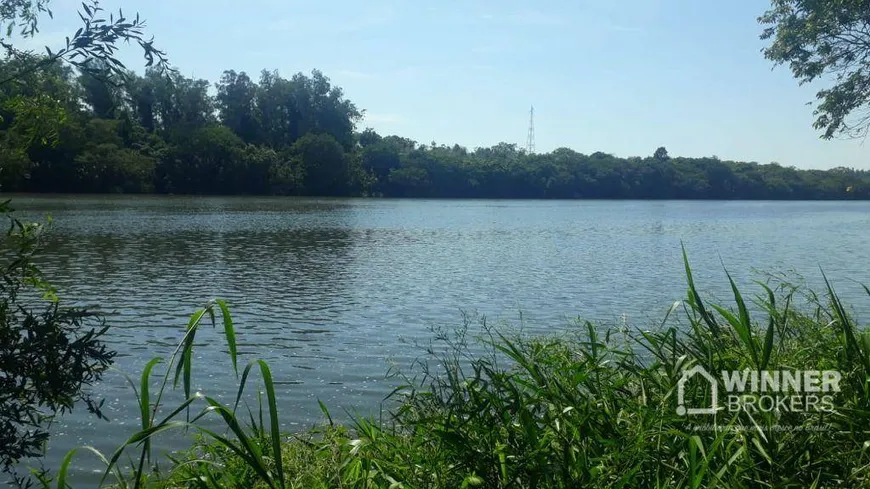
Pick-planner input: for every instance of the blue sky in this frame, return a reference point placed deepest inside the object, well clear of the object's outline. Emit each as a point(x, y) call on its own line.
point(622, 77)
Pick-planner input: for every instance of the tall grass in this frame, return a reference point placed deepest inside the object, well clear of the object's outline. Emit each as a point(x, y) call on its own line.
point(587, 408)
point(243, 439)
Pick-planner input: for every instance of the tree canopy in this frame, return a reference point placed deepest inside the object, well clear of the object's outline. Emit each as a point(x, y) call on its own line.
point(661, 154)
point(827, 40)
point(165, 133)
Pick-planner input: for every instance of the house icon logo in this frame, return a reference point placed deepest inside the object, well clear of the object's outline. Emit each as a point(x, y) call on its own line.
point(682, 410)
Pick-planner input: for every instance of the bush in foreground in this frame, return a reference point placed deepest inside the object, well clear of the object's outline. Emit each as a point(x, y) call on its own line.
point(49, 353)
point(582, 409)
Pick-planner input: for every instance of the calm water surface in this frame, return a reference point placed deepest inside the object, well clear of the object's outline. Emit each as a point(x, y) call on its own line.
point(331, 292)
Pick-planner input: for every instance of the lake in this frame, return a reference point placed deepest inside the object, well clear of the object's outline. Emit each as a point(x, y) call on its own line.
point(332, 292)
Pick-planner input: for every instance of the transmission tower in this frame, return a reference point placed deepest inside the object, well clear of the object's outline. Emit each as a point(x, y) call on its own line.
point(530, 142)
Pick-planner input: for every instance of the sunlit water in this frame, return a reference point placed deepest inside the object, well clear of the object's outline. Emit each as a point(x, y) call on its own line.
point(332, 292)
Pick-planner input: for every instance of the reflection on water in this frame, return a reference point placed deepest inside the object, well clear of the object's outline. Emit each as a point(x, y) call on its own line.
point(329, 290)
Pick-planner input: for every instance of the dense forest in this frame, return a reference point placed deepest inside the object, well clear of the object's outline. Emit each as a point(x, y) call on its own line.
point(71, 130)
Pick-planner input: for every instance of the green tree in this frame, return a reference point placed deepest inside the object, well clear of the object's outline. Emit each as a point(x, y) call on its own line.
point(290, 109)
point(331, 113)
point(380, 158)
point(180, 104)
point(368, 137)
point(207, 161)
point(99, 92)
point(48, 353)
point(325, 167)
point(140, 95)
point(37, 104)
point(236, 99)
point(827, 39)
point(106, 165)
point(661, 154)
point(287, 176)
point(409, 182)
point(34, 112)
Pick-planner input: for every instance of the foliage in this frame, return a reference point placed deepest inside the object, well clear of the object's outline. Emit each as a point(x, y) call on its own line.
point(827, 40)
point(661, 154)
point(40, 102)
point(256, 443)
point(584, 408)
point(325, 164)
point(95, 41)
point(48, 353)
point(33, 112)
point(165, 133)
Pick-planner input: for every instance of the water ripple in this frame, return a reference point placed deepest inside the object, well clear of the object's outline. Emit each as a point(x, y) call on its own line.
point(329, 291)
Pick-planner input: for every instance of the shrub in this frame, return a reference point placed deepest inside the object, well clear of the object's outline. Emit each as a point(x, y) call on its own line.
point(48, 353)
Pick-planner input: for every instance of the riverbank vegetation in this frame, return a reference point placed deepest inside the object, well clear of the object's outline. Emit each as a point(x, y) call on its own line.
point(165, 133)
point(76, 120)
point(583, 408)
point(486, 408)
point(50, 352)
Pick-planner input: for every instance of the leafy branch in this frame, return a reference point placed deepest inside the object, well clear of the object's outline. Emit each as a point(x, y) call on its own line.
point(96, 40)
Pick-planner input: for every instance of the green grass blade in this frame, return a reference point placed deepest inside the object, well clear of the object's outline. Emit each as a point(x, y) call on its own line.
point(744, 326)
point(154, 430)
point(865, 342)
point(145, 400)
point(138, 437)
point(242, 383)
point(771, 325)
point(325, 412)
point(181, 408)
point(253, 462)
point(105, 461)
point(64, 467)
point(248, 450)
point(144, 382)
point(187, 360)
point(273, 419)
point(132, 385)
point(670, 311)
point(757, 442)
point(696, 301)
point(233, 424)
point(852, 345)
point(187, 350)
point(741, 305)
point(230, 333)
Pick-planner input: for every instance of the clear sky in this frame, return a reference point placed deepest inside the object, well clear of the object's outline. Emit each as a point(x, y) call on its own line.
point(623, 77)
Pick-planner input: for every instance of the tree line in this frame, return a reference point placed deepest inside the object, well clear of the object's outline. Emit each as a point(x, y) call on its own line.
point(95, 129)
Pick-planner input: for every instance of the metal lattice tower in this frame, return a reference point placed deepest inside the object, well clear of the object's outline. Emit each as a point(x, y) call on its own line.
point(530, 142)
